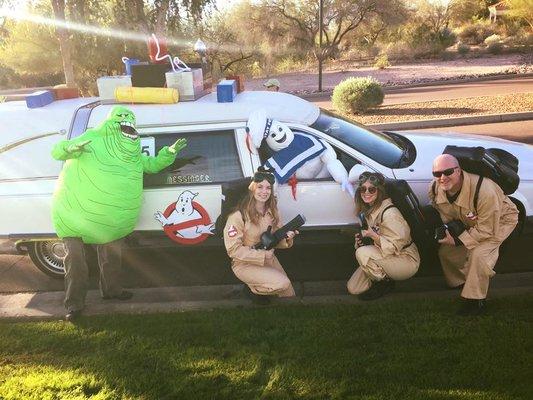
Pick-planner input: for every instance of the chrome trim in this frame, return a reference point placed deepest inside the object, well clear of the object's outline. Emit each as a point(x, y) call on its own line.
point(33, 178)
point(10, 146)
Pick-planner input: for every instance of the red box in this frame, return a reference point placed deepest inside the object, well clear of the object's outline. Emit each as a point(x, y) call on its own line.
point(240, 81)
point(62, 93)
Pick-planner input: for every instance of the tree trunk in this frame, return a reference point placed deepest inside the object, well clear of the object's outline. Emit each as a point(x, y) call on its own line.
point(64, 44)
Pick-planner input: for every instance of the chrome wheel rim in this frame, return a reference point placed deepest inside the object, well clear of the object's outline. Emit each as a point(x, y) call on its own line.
point(51, 254)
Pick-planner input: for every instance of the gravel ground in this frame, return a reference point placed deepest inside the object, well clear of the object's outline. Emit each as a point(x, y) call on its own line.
point(448, 108)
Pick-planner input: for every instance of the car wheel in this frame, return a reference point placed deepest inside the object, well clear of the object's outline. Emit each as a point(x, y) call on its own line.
point(47, 255)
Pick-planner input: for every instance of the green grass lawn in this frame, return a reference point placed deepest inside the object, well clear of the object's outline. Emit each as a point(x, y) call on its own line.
point(412, 349)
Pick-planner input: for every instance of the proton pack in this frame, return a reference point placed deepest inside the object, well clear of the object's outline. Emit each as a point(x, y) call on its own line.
point(496, 164)
point(416, 217)
point(232, 193)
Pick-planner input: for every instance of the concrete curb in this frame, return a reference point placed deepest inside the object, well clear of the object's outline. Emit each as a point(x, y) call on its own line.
point(49, 305)
point(393, 88)
point(459, 121)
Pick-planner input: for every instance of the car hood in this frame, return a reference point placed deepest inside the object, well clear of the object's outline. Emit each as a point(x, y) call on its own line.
point(430, 144)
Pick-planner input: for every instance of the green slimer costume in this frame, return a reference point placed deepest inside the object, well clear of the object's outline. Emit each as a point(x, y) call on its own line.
point(99, 192)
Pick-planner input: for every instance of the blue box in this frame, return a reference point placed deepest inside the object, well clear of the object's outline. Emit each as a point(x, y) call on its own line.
point(226, 91)
point(39, 99)
point(128, 62)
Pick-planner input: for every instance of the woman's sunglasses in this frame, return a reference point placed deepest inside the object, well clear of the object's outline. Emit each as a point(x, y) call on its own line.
point(446, 172)
point(369, 189)
point(372, 177)
point(260, 176)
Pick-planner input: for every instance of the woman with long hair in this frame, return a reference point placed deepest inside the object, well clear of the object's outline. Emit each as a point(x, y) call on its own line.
point(259, 269)
point(385, 250)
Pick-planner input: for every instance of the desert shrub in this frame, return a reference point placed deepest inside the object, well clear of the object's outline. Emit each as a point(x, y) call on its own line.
point(425, 42)
point(495, 48)
point(399, 51)
point(382, 62)
point(494, 44)
point(463, 49)
point(445, 38)
point(356, 95)
point(447, 55)
point(492, 39)
point(475, 32)
point(289, 64)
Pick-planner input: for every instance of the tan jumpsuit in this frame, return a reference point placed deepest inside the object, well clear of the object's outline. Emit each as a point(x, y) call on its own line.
point(263, 276)
point(396, 257)
point(496, 217)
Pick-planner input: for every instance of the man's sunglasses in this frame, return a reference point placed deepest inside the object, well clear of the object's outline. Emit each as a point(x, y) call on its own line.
point(446, 172)
point(372, 177)
point(369, 189)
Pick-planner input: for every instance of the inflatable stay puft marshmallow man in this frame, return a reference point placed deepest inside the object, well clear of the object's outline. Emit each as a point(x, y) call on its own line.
point(297, 155)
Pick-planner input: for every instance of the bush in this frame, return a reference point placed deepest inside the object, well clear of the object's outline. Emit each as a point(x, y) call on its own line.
point(492, 39)
point(447, 55)
point(382, 62)
point(495, 48)
point(357, 95)
point(494, 44)
point(399, 51)
point(463, 49)
point(289, 64)
point(475, 32)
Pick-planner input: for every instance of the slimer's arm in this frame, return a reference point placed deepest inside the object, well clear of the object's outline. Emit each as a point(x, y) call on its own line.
point(164, 158)
point(73, 148)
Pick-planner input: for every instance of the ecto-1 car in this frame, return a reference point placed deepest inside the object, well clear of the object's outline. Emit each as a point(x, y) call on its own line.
point(217, 152)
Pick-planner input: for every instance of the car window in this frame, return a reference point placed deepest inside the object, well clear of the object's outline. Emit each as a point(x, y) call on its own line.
point(383, 148)
point(210, 157)
point(346, 160)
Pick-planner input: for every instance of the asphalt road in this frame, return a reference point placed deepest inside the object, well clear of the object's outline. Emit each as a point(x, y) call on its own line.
point(519, 131)
point(447, 92)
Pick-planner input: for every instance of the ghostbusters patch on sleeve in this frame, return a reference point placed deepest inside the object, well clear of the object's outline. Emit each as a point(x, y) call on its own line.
point(232, 231)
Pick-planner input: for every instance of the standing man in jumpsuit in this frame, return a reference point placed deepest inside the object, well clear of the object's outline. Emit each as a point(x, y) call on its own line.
point(469, 258)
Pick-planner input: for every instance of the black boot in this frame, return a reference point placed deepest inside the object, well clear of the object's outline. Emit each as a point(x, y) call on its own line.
point(256, 298)
point(73, 315)
point(377, 290)
point(472, 307)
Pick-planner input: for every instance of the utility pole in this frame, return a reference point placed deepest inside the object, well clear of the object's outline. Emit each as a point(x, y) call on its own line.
point(320, 10)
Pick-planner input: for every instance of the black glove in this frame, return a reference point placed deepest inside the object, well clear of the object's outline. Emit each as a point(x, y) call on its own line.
point(456, 227)
point(268, 240)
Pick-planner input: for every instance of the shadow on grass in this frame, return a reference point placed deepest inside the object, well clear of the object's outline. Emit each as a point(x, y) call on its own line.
point(401, 350)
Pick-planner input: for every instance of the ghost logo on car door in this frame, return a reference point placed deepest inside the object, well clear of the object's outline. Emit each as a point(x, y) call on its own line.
point(186, 221)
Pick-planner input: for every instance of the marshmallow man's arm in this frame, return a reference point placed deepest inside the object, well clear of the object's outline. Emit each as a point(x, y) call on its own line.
point(336, 169)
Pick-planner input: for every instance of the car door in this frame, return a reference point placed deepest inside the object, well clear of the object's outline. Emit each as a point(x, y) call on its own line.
point(184, 199)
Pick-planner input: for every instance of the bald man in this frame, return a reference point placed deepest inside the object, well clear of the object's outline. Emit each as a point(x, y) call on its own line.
point(468, 257)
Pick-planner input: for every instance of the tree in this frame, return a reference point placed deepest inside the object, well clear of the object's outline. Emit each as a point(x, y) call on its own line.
point(522, 9)
point(340, 17)
point(64, 44)
point(30, 48)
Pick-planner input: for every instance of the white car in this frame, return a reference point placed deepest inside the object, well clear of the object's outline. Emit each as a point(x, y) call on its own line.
point(216, 153)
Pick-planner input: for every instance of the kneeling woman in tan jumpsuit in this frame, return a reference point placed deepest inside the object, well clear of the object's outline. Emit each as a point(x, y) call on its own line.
point(259, 269)
point(393, 256)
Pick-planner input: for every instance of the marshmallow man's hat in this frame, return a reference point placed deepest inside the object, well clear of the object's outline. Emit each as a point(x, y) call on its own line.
point(258, 127)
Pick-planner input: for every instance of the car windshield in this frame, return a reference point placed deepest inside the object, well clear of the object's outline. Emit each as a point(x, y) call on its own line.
point(387, 150)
